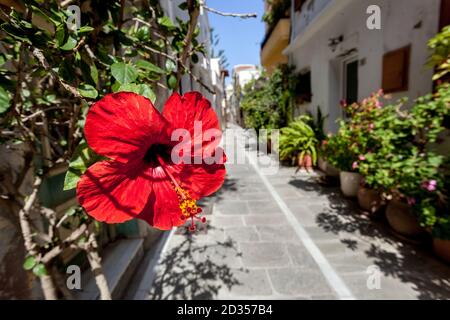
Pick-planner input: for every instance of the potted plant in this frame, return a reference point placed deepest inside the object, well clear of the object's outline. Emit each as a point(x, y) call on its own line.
point(325, 152)
point(298, 143)
point(339, 155)
point(441, 237)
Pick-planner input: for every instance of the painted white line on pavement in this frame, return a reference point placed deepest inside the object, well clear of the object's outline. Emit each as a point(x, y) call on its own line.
point(342, 291)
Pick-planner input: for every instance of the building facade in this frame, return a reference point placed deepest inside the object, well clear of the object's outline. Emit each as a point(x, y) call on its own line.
point(241, 75)
point(341, 53)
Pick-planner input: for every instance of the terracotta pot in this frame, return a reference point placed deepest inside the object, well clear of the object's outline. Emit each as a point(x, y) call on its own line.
point(350, 183)
point(402, 219)
point(306, 162)
point(369, 200)
point(442, 248)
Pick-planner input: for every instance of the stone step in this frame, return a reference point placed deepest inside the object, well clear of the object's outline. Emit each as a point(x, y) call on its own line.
point(120, 260)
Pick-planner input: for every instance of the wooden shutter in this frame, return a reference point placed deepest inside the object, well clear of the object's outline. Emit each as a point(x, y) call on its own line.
point(396, 70)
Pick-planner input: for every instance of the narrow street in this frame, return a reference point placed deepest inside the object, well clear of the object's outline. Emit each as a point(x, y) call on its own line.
point(286, 236)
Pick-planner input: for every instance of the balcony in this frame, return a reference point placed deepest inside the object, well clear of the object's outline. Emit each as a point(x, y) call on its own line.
point(273, 45)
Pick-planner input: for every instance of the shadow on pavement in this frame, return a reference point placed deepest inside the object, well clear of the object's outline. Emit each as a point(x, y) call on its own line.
point(192, 270)
point(412, 264)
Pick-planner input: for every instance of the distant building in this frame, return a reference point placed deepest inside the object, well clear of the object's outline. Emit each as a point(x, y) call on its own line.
point(218, 75)
point(242, 74)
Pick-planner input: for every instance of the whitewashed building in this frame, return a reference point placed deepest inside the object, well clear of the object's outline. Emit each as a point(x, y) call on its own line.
point(341, 54)
point(242, 74)
point(206, 69)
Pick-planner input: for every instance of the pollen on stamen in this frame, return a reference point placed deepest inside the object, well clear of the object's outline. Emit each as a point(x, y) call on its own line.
point(189, 208)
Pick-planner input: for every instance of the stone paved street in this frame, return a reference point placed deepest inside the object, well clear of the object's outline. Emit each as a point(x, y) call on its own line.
point(299, 240)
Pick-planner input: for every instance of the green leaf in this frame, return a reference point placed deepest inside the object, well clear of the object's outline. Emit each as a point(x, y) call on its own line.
point(29, 263)
point(5, 99)
point(40, 270)
point(88, 91)
point(116, 86)
point(124, 72)
point(172, 81)
point(142, 89)
point(82, 158)
point(70, 44)
point(94, 73)
point(85, 29)
point(170, 66)
point(166, 22)
point(142, 64)
point(183, 5)
point(60, 35)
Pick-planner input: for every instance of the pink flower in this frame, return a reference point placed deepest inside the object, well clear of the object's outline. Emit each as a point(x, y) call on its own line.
point(378, 104)
point(362, 157)
point(343, 103)
point(380, 92)
point(354, 165)
point(411, 201)
point(371, 126)
point(429, 185)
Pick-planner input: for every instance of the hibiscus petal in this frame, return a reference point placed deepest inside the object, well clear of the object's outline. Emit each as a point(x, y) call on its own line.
point(162, 211)
point(200, 180)
point(182, 111)
point(123, 126)
point(192, 112)
point(114, 192)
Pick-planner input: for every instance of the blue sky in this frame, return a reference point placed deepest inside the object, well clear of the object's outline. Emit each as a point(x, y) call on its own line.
point(240, 38)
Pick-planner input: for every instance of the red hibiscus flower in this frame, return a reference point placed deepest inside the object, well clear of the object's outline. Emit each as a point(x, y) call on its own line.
point(140, 180)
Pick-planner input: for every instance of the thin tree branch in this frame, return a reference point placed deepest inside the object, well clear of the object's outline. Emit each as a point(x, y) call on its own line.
point(24, 218)
point(194, 12)
point(43, 62)
point(227, 14)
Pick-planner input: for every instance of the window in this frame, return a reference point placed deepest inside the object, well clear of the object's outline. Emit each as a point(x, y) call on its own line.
point(351, 81)
point(303, 89)
point(396, 70)
point(444, 19)
point(298, 4)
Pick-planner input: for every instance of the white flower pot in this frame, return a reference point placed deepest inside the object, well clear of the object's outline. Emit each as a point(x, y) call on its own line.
point(350, 183)
point(326, 167)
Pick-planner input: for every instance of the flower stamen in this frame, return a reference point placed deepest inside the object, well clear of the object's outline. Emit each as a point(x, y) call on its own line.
point(188, 206)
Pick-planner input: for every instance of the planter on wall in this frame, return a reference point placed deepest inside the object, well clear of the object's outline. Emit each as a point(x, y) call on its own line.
point(402, 219)
point(442, 248)
point(350, 183)
point(369, 200)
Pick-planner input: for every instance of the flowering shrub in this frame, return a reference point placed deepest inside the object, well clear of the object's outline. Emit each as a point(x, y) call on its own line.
point(353, 141)
point(401, 163)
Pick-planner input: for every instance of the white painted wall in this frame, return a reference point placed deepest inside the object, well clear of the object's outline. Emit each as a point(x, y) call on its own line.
point(241, 75)
point(331, 18)
point(202, 68)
